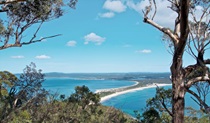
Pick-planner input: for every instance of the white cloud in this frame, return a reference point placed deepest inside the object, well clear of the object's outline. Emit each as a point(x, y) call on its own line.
point(71, 43)
point(107, 15)
point(164, 16)
point(114, 5)
point(144, 51)
point(43, 57)
point(17, 57)
point(92, 37)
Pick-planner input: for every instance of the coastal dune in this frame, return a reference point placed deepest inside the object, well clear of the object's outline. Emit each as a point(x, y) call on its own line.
point(117, 93)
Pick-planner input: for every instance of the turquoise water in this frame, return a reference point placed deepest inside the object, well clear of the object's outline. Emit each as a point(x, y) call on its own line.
point(66, 86)
point(127, 102)
point(137, 100)
point(131, 101)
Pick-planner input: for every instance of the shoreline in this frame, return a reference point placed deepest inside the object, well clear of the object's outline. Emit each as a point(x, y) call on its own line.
point(123, 90)
point(116, 89)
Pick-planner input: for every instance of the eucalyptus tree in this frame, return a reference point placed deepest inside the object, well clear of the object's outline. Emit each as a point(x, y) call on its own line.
point(192, 36)
point(21, 92)
point(162, 102)
point(18, 16)
point(29, 84)
point(7, 81)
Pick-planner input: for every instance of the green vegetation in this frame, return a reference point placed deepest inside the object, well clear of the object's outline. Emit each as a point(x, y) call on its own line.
point(69, 111)
point(21, 15)
point(159, 110)
point(23, 100)
point(186, 36)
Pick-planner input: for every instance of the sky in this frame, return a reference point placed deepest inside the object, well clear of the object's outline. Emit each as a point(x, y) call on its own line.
point(99, 36)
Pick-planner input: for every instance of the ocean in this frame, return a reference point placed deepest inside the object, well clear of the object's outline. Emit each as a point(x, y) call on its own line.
point(66, 85)
point(137, 100)
point(126, 102)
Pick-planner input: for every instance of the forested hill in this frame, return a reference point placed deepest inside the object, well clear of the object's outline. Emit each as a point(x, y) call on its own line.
point(109, 76)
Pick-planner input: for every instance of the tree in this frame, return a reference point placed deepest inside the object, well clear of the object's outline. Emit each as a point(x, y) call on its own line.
point(151, 116)
point(83, 96)
point(29, 85)
point(7, 80)
point(21, 15)
point(23, 92)
point(162, 101)
point(202, 89)
point(192, 35)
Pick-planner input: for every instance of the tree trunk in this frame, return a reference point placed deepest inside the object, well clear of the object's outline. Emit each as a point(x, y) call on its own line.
point(177, 71)
point(178, 88)
point(178, 103)
point(0, 92)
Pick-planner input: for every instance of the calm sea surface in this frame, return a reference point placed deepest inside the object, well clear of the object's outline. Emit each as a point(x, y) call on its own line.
point(126, 102)
point(137, 100)
point(66, 86)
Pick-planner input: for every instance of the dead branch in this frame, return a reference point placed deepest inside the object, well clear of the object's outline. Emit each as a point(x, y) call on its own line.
point(190, 50)
point(147, 9)
point(197, 79)
point(200, 101)
point(207, 61)
point(163, 103)
point(196, 101)
point(155, 9)
point(167, 31)
point(26, 43)
point(2, 2)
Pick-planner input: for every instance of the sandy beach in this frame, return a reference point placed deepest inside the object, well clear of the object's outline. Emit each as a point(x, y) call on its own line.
point(127, 91)
point(114, 89)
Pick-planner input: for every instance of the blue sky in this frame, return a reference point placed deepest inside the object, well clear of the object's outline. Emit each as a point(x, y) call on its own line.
point(98, 36)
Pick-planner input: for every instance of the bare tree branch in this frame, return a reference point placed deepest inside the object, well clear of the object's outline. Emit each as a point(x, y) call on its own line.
point(167, 31)
point(26, 43)
point(10, 1)
point(196, 101)
point(190, 49)
point(207, 61)
point(155, 9)
point(201, 102)
point(163, 103)
point(148, 9)
point(197, 79)
point(206, 44)
point(2, 10)
point(184, 78)
point(191, 36)
point(20, 17)
point(36, 32)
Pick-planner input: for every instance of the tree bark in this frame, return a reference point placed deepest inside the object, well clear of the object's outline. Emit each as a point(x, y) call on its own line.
point(11, 1)
point(178, 90)
point(178, 75)
point(180, 82)
point(178, 110)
